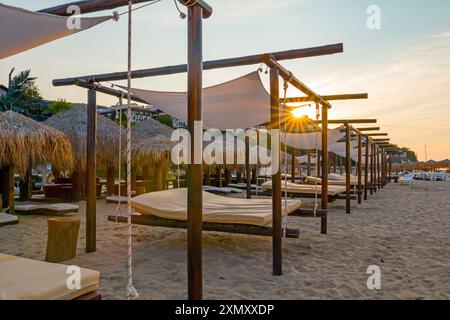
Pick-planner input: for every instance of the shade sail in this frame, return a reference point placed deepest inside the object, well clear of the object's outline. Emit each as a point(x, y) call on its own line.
point(238, 104)
point(311, 140)
point(21, 30)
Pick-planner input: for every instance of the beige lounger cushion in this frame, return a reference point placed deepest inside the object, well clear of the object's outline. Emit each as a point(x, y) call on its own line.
point(337, 182)
point(172, 204)
point(25, 279)
point(58, 207)
point(7, 219)
point(305, 188)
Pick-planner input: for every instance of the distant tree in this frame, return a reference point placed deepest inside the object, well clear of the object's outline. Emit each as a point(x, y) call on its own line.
point(23, 95)
point(56, 107)
point(165, 119)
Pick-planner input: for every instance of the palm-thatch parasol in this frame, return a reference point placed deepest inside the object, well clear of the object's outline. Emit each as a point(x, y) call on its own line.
point(24, 141)
point(150, 128)
point(74, 124)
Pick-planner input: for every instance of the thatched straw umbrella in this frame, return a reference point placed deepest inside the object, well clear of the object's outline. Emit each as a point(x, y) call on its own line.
point(74, 124)
point(155, 150)
point(146, 131)
point(25, 143)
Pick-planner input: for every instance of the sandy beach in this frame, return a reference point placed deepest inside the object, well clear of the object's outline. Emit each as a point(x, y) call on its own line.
point(401, 229)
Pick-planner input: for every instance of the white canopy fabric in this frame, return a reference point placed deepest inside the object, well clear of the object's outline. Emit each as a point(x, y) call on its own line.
point(307, 141)
point(21, 30)
point(241, 103)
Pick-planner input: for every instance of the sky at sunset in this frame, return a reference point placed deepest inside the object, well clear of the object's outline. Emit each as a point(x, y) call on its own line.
point(404, 66)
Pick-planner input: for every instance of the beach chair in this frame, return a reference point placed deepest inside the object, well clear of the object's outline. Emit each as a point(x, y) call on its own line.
point(25, 279)
point(224, 190)
point(221, 214)
point(46, 209)
point(307, 190)
point(407, 179)
point(7, 219)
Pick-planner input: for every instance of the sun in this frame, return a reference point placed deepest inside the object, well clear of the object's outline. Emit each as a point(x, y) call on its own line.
point(299, 113)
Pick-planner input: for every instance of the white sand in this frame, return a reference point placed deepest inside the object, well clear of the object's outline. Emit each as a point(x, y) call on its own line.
point(402, 229)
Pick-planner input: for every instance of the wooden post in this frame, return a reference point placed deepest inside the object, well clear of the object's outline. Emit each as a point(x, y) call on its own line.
point(378, 168)
point(207, 175)
point(4, 189)
point(308, 164)
point(26, 185)
point(366, 169)
point(318, 159)
point(293, 166)
point(78, 183)
point(359, 168)
point(390, 166)
point(91, 173)
point(133, 178)
point(158, 179)
point(324, 204)
point(248, 177)
point(372, 169)
point(277, 241)
point(335, 162)
point(348, 166)
point(227, 179)
point(145, 171)
point(194, 171)
point(10, 193)
point(110, 180)
point(239, 175)
point(62, 239)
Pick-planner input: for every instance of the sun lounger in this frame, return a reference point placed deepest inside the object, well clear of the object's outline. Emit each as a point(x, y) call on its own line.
point(225, 190)
point(169, 209)
point(46, 209)
point(407, 179)
point(25, 279)
point(7, 219)
point(335, 182)
point(306, 190)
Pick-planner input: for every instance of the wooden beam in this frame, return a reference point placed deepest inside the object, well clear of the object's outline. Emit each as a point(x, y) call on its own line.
point(377, 134)
point(381, 140)
point(270, 61)
point(206, 8)
point(277, 240)
point(207, 226)
point(194, 171)
point(88, 6)
point(91, 173)
point(207, 65)
point(348, 121)
point(109, 91)
point(369, 129)
point(335, 97)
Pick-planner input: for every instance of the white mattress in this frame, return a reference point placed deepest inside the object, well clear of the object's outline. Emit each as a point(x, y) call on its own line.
point(172, 204)
point(25, 279)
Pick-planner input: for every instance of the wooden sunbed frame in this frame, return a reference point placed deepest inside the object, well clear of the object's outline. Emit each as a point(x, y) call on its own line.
point(149, 220)
point(94, 295)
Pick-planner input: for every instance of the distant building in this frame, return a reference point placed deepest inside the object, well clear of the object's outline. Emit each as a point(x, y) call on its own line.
point(3, 90)
point(138, 113)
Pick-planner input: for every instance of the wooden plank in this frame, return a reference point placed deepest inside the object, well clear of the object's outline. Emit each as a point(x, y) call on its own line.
point(91, 173)
point(207, 226)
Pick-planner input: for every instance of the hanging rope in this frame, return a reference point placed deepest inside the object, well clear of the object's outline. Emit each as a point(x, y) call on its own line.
point(131, 291)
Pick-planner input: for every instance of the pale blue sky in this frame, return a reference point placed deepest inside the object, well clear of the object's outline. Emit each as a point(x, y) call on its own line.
point(404, 67)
